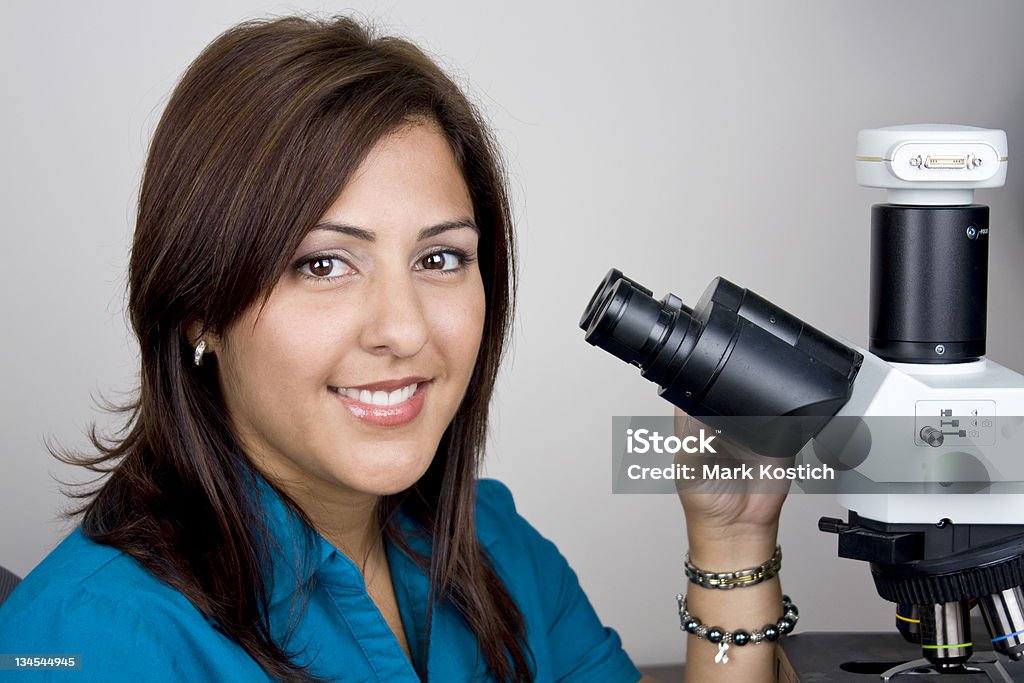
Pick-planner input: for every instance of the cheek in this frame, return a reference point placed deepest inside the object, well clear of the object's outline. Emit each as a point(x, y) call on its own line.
point(459, 325)
point(278, 357)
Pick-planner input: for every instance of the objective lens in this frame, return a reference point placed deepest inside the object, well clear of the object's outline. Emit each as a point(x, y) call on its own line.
point(946, 636)
point(1004, 617)
point(908, 622)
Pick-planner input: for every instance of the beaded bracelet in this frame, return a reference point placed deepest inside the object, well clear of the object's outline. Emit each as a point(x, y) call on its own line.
point(722, 638)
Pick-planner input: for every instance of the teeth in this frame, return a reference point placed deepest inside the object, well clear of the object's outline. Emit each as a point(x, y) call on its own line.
point(379, 398)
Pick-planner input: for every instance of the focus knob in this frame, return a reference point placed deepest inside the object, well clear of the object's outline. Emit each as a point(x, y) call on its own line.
point(931, 436)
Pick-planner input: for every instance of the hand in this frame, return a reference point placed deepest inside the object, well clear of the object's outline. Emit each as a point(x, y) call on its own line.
point(737, 518)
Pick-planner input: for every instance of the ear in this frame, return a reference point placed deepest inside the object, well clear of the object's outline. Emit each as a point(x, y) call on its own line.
point(196, 330)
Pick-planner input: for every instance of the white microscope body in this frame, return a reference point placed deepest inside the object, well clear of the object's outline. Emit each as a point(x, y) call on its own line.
point(932, 475)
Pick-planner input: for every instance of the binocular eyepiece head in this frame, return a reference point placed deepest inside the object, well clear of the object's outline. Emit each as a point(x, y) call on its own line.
point(734, 355)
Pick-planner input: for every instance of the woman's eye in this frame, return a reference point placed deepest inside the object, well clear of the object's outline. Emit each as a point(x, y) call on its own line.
point(442, 260)
point(324, 267)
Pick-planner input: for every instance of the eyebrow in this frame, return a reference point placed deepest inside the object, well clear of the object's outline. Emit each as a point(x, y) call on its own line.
point(425, 233)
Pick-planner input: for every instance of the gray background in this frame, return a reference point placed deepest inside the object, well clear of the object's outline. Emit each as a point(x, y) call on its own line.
point(676, 141)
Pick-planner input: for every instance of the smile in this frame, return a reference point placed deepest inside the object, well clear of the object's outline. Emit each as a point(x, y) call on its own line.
point(385, 404)
point(381, 399)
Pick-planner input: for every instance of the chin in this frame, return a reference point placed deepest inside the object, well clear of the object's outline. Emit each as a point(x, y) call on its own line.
point(396, 474)
point(387, 487)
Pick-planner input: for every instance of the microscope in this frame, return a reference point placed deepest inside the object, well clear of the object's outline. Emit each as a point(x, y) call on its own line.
point(923, 432)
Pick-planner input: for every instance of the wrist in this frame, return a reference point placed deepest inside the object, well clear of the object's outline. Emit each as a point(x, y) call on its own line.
point(731, 548)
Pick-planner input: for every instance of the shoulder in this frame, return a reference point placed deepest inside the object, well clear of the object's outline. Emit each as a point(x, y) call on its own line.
point(513, 543)
point(521, 555)
point(493, 499)
point(80, 574)
point(99, 603)
point(498, 522)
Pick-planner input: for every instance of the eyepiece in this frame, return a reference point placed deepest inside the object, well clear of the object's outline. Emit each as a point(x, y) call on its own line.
point(628, 323)
point(602, 293)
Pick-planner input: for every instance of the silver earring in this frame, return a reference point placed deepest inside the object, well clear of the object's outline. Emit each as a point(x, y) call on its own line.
point(200, 350)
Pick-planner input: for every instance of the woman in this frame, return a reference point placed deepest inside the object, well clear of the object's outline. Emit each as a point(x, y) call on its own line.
point(321, 283)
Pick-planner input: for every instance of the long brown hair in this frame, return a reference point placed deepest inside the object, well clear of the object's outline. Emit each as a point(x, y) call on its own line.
point(255, 144)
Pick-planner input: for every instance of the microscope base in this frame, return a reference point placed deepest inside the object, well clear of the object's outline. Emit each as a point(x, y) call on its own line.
point(868, 657)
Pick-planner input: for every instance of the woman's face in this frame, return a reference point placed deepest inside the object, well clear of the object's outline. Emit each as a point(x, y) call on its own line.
point(349, 375)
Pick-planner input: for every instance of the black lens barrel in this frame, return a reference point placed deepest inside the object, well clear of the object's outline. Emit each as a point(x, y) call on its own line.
point(929, 282)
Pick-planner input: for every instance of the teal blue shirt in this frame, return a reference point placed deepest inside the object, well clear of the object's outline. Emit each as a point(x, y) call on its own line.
point(98, 603)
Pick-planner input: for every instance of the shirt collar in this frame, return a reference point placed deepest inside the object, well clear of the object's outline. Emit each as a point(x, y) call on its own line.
point(296, 550)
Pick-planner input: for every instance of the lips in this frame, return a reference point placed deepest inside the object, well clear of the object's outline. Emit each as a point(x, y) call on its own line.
point(385, 404)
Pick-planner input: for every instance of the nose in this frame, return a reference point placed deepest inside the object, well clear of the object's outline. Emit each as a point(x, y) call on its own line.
point(395, 320)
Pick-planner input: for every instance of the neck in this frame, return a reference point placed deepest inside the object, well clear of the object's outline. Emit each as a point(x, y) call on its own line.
point(347, 519)
point(349, 523)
